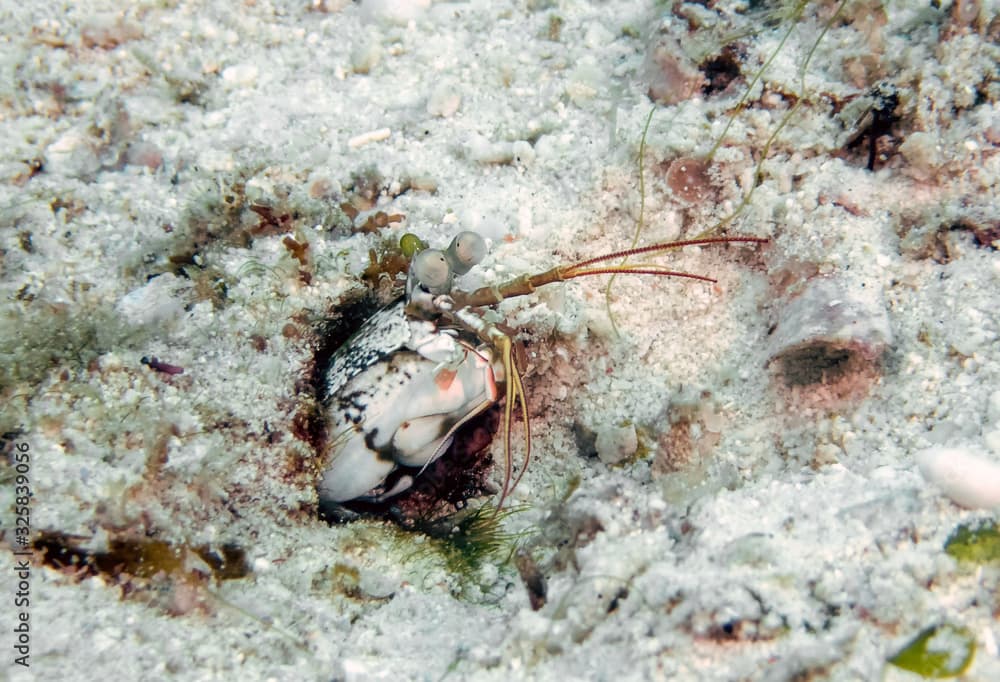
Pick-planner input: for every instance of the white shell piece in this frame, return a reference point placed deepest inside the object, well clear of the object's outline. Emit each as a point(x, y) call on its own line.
point(969, 477)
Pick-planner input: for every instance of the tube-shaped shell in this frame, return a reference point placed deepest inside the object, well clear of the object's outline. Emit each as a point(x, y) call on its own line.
point(830, 325)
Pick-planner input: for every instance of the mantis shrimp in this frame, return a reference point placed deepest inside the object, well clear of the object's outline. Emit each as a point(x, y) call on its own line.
point(396, 393)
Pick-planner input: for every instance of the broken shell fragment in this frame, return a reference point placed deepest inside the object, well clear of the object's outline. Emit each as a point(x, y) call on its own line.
point(967, 476)
point(831, 329)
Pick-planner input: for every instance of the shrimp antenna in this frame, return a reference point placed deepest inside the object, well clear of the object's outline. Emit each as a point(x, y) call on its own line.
point(513, 387)
point(522, 286)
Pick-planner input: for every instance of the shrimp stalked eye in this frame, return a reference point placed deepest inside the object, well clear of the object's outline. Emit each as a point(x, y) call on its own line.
point(398, 391)
point(466, 250)
point(433, 271)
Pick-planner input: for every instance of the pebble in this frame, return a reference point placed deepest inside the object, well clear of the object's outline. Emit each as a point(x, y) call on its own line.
point(73, 155)
point(393, 11)
point(366, 56)
point(444, 100)
point(154, 303)
point(482, 150)
point(923, 152)
point(144, 154)
point(616, 443)
point(241, 74)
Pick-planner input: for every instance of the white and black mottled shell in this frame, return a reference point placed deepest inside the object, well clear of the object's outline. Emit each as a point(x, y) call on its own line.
point(383, 333)
point(394, 395)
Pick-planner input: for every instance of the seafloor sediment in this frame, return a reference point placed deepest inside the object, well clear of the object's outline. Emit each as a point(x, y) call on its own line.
point(724, 480)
